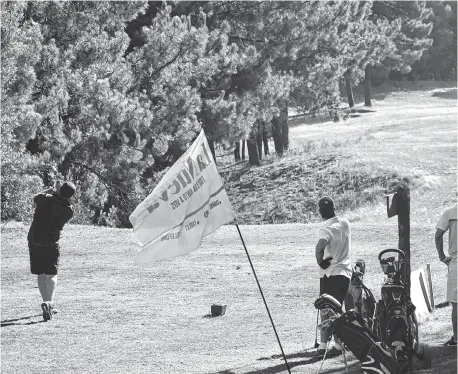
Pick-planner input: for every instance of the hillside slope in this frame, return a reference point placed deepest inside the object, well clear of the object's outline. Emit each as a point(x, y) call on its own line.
point(408, 135)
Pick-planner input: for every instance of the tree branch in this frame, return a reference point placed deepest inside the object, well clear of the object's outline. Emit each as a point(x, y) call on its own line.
point(168, 63)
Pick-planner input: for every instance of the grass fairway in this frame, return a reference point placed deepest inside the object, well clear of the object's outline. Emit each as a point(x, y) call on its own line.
point(118, 318)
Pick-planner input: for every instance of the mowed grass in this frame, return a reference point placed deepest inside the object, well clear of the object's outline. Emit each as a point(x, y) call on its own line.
point(119, 318)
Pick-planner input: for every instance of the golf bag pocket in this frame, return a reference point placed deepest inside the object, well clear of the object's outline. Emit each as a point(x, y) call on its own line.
point(394, 313)
point(397, 328)
point(352, 330)
point(371, 366)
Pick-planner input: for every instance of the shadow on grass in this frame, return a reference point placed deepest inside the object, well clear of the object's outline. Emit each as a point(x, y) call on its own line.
point(364, 111)
point(18, 321)
point(307, 119)
point(352, 365)
point(274, 369)
point(449, 94)
point(281, 367)
point(210, 316)
point(441, 358)
point(21, 324)
point(290, 356)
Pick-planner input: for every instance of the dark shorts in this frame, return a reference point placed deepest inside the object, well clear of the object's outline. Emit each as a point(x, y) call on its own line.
point(336, 286)
point(44, 258)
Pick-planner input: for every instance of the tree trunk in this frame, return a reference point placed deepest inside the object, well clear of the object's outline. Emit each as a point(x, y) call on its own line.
point(243, 149)
point(276, 135)
point(265, 140)
point(351, 101)
point(253, 154)
point(284, 126)
point(367, 86)
point(237, 151)
point(259, 138)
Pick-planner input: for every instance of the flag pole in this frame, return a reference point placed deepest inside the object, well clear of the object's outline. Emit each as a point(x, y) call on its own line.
point(262, 294)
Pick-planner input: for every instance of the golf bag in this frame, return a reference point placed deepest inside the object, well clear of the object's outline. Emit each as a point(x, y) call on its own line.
point(352, 329)
point(359, 297)
point(395, 323)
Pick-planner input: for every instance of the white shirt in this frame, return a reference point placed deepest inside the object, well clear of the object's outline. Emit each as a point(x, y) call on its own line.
point(336, 231)
point(448, 222)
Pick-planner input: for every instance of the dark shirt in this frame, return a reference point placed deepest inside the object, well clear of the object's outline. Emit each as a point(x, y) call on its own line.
point(52, 212)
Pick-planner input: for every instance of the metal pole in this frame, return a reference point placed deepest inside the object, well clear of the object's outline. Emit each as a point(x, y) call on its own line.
point(262, 294)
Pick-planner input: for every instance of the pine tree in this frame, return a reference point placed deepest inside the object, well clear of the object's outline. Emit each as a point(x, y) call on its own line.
point(291, 41)
point(21, 46)
point(440, 61)
point(361, 42)
point(79, 92)
point(411, 39)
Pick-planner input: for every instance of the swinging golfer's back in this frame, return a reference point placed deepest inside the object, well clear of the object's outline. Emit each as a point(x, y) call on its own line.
point(53, 210)
point(51, 214)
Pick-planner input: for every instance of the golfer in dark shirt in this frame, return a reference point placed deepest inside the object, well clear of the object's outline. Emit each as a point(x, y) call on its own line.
point(53, 210)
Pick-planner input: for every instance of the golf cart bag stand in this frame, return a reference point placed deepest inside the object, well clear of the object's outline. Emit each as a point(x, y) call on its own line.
point(351, 328)
point(395, 313)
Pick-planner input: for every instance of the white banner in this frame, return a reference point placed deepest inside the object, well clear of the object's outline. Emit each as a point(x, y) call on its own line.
point(189, 203)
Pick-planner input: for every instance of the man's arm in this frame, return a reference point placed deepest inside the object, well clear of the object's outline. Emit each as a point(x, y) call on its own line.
point(439, 240)
point(319, 254)
point(39, 197)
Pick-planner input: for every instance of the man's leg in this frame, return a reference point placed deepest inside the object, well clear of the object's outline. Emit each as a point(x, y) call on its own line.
point(42, 286)
point(51, 282)
point(452, 292)
point(324, 334)
point(36, 267)
point(51, 275)
point(454, 320)
point(341, 285)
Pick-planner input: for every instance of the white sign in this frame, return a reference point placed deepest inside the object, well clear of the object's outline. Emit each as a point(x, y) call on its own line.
point(420, 295)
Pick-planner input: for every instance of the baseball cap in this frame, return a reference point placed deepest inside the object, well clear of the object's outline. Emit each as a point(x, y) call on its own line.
point(326, 203)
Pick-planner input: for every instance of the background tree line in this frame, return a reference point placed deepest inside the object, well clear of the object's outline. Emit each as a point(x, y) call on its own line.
point(110, 94)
